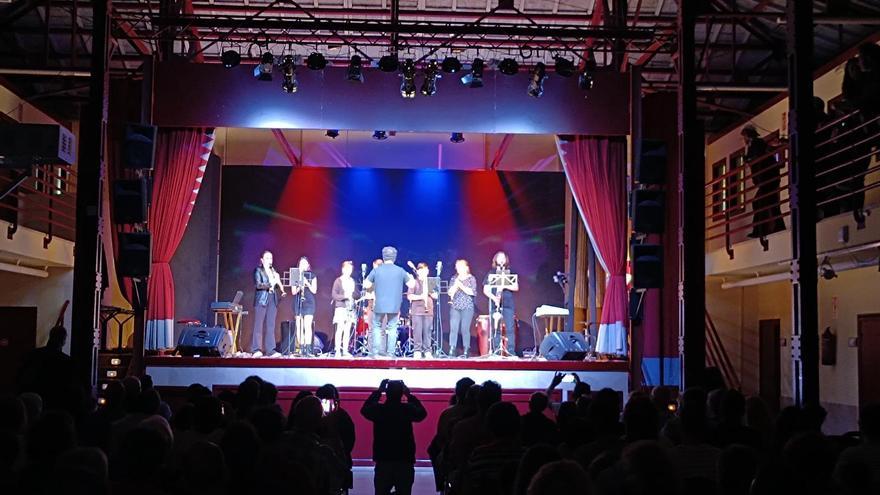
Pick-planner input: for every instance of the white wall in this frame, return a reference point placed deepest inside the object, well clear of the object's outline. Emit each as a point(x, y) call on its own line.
point(47, 294)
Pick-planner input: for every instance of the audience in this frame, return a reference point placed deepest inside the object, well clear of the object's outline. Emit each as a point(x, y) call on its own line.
point(716, 441)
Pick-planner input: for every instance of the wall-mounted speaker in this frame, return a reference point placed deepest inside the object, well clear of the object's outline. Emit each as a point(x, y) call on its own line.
point(647, 261)
point(134, 254)
point(139, 147)
point(651, 167)
point(130, 201)
point(648, 211)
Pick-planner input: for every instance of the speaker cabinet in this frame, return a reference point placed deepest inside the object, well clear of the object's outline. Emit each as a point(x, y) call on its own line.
point(648, 212)
point(139, 147)
point(647, 260)
point(651, 167)
point(204, 341)
point(134, 254)
point(130, 201)
point(24, 145)
point(564, 346)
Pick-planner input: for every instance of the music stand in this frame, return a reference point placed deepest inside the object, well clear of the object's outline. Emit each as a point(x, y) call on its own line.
point(497, 282)
point(296, 280)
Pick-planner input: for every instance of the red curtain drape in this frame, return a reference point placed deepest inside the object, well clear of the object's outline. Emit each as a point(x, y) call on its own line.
point(595, 168)
point(181, 159)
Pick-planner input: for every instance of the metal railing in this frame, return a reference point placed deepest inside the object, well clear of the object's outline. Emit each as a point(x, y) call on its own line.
point(44, 200)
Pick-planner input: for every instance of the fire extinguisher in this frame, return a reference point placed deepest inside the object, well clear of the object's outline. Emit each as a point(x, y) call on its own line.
point(828, 347)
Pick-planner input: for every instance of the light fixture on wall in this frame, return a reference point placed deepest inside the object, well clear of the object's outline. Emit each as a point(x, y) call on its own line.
point(263, 70)
point(380, 135)
point(474, 78)
point(508, 67)
point(316, 61)
point(354, 73)
point(408, 74)
point(432, 73)
point(564, 67)
point(288, 71)
point(230, 58)
point(332, 133)
point(536, 83)
point(456, 137)
point(451, 65)
point(827, 270)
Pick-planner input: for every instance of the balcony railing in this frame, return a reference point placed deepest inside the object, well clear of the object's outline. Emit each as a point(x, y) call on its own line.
point(44, 200)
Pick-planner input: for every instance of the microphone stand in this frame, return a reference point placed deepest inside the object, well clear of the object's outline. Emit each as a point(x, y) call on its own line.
point(438, 316)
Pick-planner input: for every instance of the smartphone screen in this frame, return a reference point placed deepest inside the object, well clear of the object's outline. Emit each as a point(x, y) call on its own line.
point(327, 405)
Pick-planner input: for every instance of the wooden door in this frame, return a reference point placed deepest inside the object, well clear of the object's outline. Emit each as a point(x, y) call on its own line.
point(18, 335)
point(769, 363)
point(869, 356)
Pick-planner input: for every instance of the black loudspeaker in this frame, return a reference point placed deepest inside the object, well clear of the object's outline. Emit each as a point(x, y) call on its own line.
point(24, 145)
point(287, 344)
point(636, 298)
point(130, 201)
point(204, 341)
point(134, 254)
point(139, 147)
point(651, 167)
point(647, 266)
point(564, 346)
point(648, 213)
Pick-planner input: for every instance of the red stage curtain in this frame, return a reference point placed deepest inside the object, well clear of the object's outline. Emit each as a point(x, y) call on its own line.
point(181, 159)
point(595, 168)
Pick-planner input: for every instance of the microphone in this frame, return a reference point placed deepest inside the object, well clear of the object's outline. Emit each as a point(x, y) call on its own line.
point(363, 268)
point(411, 265)
point(439, 267)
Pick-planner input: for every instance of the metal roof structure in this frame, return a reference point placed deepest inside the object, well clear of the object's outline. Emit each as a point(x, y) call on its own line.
point(45, 44)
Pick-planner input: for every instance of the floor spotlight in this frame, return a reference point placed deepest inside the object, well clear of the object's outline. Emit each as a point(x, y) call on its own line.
point(536, 83)
point(474, 78)
point(288, 71)
point(508, 67)
point(451, 65)
point(432, 73)
point(456, 137)
point(564, 67)
point(380, 135)
point(230, 58)
point(332, 133)
point(263, 71)
point(316, 61)
point(354, 72)
point(388, 63)
point(408, 73)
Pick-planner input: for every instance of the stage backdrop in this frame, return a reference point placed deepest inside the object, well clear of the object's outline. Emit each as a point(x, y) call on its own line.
point(331, 215)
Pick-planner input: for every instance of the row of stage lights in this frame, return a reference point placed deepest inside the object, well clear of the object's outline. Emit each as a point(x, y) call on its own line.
point(432, 71)
point(455, 137)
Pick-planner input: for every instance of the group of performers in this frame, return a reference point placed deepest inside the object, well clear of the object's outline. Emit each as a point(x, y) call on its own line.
point(379, 300)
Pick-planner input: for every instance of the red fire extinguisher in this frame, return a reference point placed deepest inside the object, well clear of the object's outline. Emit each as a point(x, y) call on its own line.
point(828, 347)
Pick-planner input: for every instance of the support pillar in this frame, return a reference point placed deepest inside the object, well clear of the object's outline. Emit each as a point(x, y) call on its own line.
point(692, 228)
point(85, 335)
point(802, 193)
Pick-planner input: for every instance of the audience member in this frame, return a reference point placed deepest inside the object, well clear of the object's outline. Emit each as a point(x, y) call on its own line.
point(491, 467)
point(536, 426)
point(866, 455)
point(471, 432)
point(48, 372)
point(559, 478)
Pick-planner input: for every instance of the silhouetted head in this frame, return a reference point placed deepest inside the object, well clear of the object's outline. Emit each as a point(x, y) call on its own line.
point(534, 458)
point(581, 389)
point(49, 437)
point(269, 423)
point(81, 470)
point(394, 391)
point(559, 478)
point(208, 414)
point(57, 337)
point(640, 418)
point(142, 455)
point(204, 469)
point(502, 420)
point(737, 467)
point(733, 405)
point(869, 422)
point(490, 393)
point(308, 414)
point(268, 393)
point(538, 402)
point(327, 392)
point(461, 389)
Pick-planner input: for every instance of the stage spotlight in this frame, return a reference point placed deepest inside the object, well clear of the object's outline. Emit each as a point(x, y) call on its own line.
point(288, 70)
point(380, 135)
point(388, 63)
point(508, 67)
point(585, 80)
point(456, 137)
point(263, 71)
point(316, 61)
point(355, 73)
point(432, 73)
point(474, 78)
point(408, 73)
point(536, 84)
point(451, 65)
point(230, 58)
point(332, 133)
point(564, 67)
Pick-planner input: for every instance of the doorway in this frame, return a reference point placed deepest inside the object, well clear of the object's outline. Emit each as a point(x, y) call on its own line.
point(769, 363)
point(869, 355)
point(18, 335)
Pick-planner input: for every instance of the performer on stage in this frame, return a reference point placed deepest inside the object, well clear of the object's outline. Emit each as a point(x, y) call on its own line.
point(304, 305)
point(344, 293)
point(462, 289)
point(502, 303)
point(421, 310)
point(387, 280)
point(267, 283)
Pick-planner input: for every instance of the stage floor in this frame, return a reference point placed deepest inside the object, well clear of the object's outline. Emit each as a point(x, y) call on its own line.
point(176, 371)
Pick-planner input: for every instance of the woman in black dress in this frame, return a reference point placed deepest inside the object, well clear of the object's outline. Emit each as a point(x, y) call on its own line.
point(304, 306)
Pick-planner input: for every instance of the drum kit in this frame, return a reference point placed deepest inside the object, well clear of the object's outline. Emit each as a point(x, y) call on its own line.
point(362, 341)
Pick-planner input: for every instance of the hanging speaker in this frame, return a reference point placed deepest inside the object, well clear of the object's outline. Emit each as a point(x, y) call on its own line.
point(647, 261)
point(648, 213)
point(139, 147)
point(134, 254)
point(651, 167)
point(130, 201)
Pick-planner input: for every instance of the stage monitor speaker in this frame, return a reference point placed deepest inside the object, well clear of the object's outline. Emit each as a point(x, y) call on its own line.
point(204, 341)
point(647, 266)
point(564, 346)
point(130, 201)
point(287, 344)
point(134, 254)
point(648, 212)
point(139, 147)
point(651, 167)
point(24, 145)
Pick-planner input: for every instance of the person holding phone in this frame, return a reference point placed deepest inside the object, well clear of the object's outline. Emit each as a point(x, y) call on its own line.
point(338, 430)
point(394, 445)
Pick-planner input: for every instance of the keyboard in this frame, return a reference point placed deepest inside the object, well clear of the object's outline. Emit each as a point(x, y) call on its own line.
point(226, 306)
point(546, 310)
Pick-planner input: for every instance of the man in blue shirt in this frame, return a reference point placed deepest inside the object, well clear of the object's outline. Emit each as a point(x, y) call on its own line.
point(387, 281)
